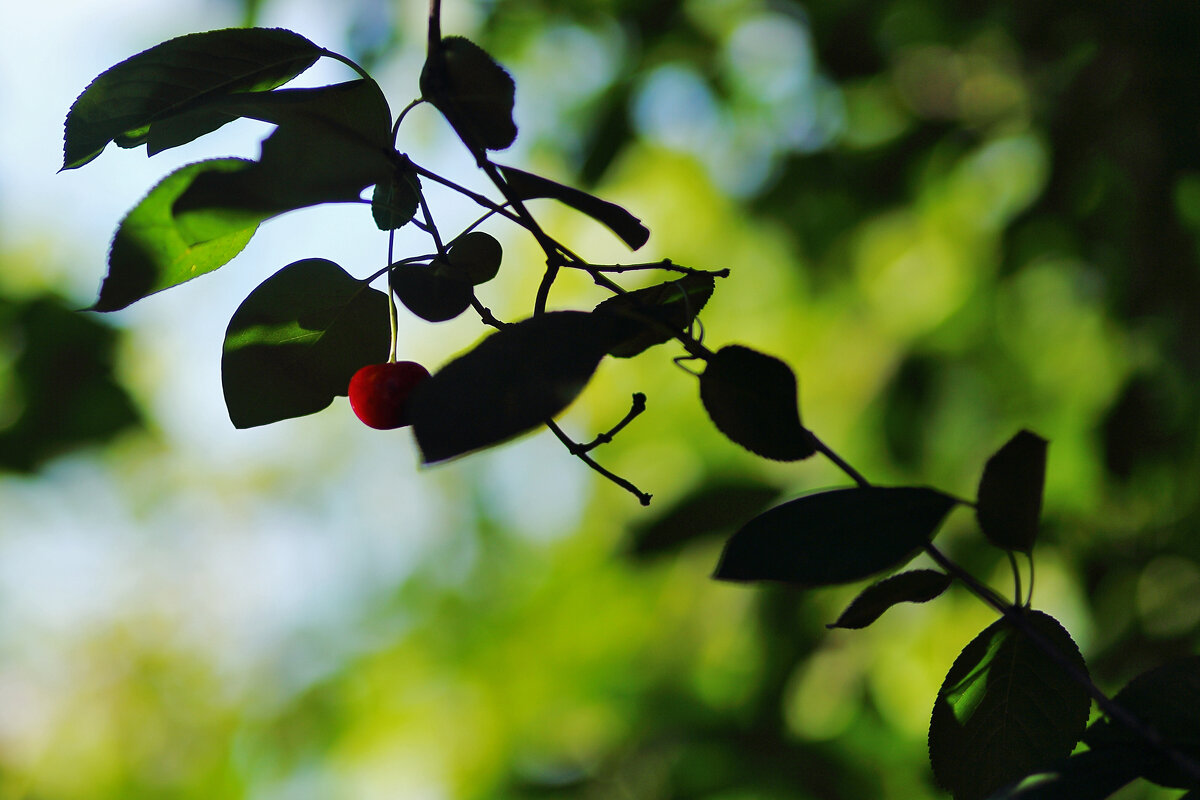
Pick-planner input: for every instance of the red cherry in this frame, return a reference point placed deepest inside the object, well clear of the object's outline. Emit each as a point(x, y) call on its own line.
point(379, 392)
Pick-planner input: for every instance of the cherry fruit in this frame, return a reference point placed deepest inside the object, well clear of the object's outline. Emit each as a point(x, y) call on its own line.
point(379, 392)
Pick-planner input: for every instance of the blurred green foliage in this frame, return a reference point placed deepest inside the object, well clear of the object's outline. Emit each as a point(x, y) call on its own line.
point(955, 220)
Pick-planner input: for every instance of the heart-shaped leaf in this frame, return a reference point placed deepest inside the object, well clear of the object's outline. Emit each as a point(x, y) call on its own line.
point(428, 293)
point(129, 101)
point(915, 586)
point(474, 93)
point(751, 398)
point(650, 314)
point(295, 342)
point(153, 250)
point(527, 186)
point(1009, 505)
point(834, 537)
point(512, 381)
point(1006, 708)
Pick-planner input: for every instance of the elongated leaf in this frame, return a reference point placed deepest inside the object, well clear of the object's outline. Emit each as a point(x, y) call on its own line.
point(331, 143)
point(1167, 698)
point(751, 398)
point(834, 537)
point(527, 186)
point(153, 250)
point(1006, 709)
point(916, 586)
point(474, 93)
point(1090, 775)
point(295, 342)
point(127, 102)
point(673, 304)
point(714, 507)
point(1010, 493)
point(512, 381)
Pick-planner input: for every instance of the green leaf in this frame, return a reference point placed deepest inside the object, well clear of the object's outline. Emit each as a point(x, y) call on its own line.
point(512, 381)
point(915, 586)
point(1166, 698)
point(295, 342)
point(1010, 493)
point(153, 250)
point(527, 186)
point(751, 398)
point(1006, 709)
point(330, 144)
point(474, 258)
point(130, 101)
point(1090, 775)
point(474, 93)
point(674, 304)
point(428, 293)
point(834, 537)
point(394, 201)
point(713, 507)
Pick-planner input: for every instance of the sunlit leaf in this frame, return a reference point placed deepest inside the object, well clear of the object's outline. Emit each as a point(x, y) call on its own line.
point(295, 342)
point(127, 102)
point(1010, 493)
point(673, 304)
point(473, 92)
point(712, 508)
point(394, 201)
point(1006, 709)
point(511, 382)
point(1167, 698)
point(331, 143)
point(915, 586)
point(428, 293)
point(1089, 775)
point(834, 537)
point(527, 186)
point(751, 398)
point(153, 250)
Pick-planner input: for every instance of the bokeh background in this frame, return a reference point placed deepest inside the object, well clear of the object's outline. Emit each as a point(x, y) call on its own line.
point(954, 219)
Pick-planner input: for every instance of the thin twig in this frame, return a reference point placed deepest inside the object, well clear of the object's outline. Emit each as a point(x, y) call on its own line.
point(639, 405)
point(572, 446)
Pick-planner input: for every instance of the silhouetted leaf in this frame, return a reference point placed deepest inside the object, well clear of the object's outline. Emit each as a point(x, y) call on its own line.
point(1089, 775)
point(840, 536)
point(527, 186)
point(153, 250)
point(129, 101)
point(394, 201)
point(512, 381)
point(295, 342)
point(474, 93)
point(710, 509)
point(1010, 493)
point(673, 304)
point(1167, 698)
point(473, 257)
point(429, 294)
point(915, 586)
point(751, 398)
point(1006, 709)
point(330, 144)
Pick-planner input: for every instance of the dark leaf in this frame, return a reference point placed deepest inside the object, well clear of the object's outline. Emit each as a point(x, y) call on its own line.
point(428, 293)
point(1089, 775)
point(474, 258)
point(330, 144)
point(295, 342)
point(916, 586)
point(474, 93)
point(1010, 493)
point(153, 250)
point(834, 537)
point(394, 201)
point(673, 304)
point(527, 186)
point(751, 398)
point(130, 101)
point(511, 382)
point(710, 509)
point(1006, 709)
point(1167, 698)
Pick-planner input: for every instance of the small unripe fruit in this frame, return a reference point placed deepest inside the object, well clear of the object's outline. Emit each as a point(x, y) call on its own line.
point(379, 392)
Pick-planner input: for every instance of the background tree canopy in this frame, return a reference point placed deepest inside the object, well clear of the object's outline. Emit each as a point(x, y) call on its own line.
point(954, 220)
